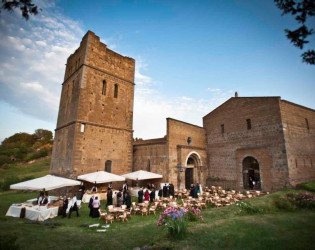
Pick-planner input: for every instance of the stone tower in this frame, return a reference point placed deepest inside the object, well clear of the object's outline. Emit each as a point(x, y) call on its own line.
point(94, 128)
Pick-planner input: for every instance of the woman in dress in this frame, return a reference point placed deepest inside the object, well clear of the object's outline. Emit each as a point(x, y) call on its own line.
point(147, 195)
point(96, 205)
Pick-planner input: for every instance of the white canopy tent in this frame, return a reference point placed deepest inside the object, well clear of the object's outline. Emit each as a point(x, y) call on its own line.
point(100, 177)
point(142, 175)
point(48, 182)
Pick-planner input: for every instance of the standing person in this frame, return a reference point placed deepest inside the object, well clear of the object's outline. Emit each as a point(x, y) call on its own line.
point(109, 197)
point(160, 193)
point(152, 195)
point(110, 185)
point(192, 190)
point(90, 205)
point(198, 189)
point(165, 190)
point(74, 206)
point(168, 190)
point(40, 198)
point(147, 195)
point(64, 206)
point(119, 199)
point(250, 180)
point(128, 199)
point(195, 191)
point(94, 188)
point(172, 191)
point(45, 200)
point(140, 195)
point(96, 205)
point(125, 186)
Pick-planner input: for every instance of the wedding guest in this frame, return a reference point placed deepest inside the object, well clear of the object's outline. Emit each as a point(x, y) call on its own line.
point(128, 199)
point(109, 197)
point(90, 205)
point(64, 206)
point(147, 195)
point(96, 205)
point(74, 206)
point(140, 195)
point(152, 195)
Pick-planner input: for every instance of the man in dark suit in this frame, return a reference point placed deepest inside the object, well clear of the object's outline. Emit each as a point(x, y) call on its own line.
point(140, 195)
point(64, 206)
point(90, 205)
point(165, 190)
point(172, 191)
point(109, 197)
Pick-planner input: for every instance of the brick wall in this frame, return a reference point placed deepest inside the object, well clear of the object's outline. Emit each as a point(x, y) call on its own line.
point(226, 150)
point(299, 141)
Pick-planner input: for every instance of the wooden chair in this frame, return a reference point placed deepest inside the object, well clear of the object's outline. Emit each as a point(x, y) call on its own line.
point(152, 209)
point(123, 207)
point(135, 208)
point(144, 210)
point(102, 213)
point(109, 218)
point(129, 212)
point(122, 217)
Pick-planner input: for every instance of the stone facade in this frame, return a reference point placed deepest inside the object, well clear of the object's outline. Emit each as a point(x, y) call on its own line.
point(257, 127)
point(95, 113)
point(266, 138)
point(172, 155)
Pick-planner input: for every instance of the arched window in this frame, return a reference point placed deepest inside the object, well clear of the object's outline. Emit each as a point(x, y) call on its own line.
point(108, 166)
point(116, 91)
point(104, 88)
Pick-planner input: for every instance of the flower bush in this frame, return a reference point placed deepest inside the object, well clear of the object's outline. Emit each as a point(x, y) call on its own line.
point(173, 219)
point(194, 214)
point(302, 200)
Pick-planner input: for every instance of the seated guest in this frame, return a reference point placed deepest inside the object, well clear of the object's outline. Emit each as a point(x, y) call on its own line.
point(140, 195)
point(152, 195)
point(74, 206)
point(96, 205)
point(91, 205)
point(109, 197)
point(64, 206)
point(147, 195)
point(128, 199)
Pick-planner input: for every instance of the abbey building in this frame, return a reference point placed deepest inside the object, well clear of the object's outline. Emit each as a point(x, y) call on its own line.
point(264, 138)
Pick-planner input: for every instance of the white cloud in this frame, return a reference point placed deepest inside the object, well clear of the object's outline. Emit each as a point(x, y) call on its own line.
point(33, 56)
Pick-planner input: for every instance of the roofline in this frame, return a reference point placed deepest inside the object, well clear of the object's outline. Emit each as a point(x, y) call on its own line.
point(160, 140)
point(298, 105)
point(279, 97)
point(168, 118)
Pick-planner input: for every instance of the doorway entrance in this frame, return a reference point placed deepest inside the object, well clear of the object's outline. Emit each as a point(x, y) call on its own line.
point(189, 177)
point(251, 173)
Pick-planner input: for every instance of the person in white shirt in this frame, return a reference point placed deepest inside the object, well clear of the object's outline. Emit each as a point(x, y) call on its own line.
point(73, 206)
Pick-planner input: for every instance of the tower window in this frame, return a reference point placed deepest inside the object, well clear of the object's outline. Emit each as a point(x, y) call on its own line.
point(116, 91)
point(249, 124)
point(307, 125)
point(222, 128)
point(82, 128)
point(104, 88)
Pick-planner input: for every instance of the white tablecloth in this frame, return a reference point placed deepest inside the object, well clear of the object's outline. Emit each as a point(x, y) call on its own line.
point(33, 213)
point(101, 196)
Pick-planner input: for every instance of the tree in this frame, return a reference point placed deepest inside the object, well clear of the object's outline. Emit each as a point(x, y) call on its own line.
point(26, 6)
point(302, 10)
point(43, 135)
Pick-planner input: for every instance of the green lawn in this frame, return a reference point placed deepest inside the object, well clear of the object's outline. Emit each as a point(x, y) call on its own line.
point(222, 228)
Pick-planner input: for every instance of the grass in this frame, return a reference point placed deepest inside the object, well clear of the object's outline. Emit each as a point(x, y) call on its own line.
point(222, 228)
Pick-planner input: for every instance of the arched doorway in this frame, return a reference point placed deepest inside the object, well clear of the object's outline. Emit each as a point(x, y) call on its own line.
point(108, 166)
point(251, 173)
point(191, 174)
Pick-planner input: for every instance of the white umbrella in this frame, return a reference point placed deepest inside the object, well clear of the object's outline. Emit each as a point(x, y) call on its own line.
point(142, 175)
point(48, 182)
point(100, 177)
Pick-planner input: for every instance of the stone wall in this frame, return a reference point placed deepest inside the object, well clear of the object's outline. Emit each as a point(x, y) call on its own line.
point(179, 151)
point(300, 141)
point(88, 102)
point(229, 141)
point(151, 155)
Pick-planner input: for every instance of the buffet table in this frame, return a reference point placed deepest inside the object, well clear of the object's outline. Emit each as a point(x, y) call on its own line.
point(101, 196)
point(37, 213)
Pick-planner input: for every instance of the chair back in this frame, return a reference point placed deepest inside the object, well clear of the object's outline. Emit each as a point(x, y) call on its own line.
point(123, 207)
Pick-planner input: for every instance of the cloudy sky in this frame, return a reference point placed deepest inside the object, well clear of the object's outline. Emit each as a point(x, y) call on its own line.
point(191, 56)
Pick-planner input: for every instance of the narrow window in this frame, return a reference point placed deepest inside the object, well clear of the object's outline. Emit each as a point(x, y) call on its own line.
point(249, 124)
point(307, 125)
point(104, 88)
point(222, 128)
point(82, 127)
point(149, 166)
point(296, 164)
point(108, 166)
point(116, 91)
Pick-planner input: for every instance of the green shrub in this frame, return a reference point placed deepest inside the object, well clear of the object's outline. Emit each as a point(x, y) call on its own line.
point(309, 186)
point(248, 208)
point(4, 159)
point(41, 153)
point(302, 200)
point(283, 204)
